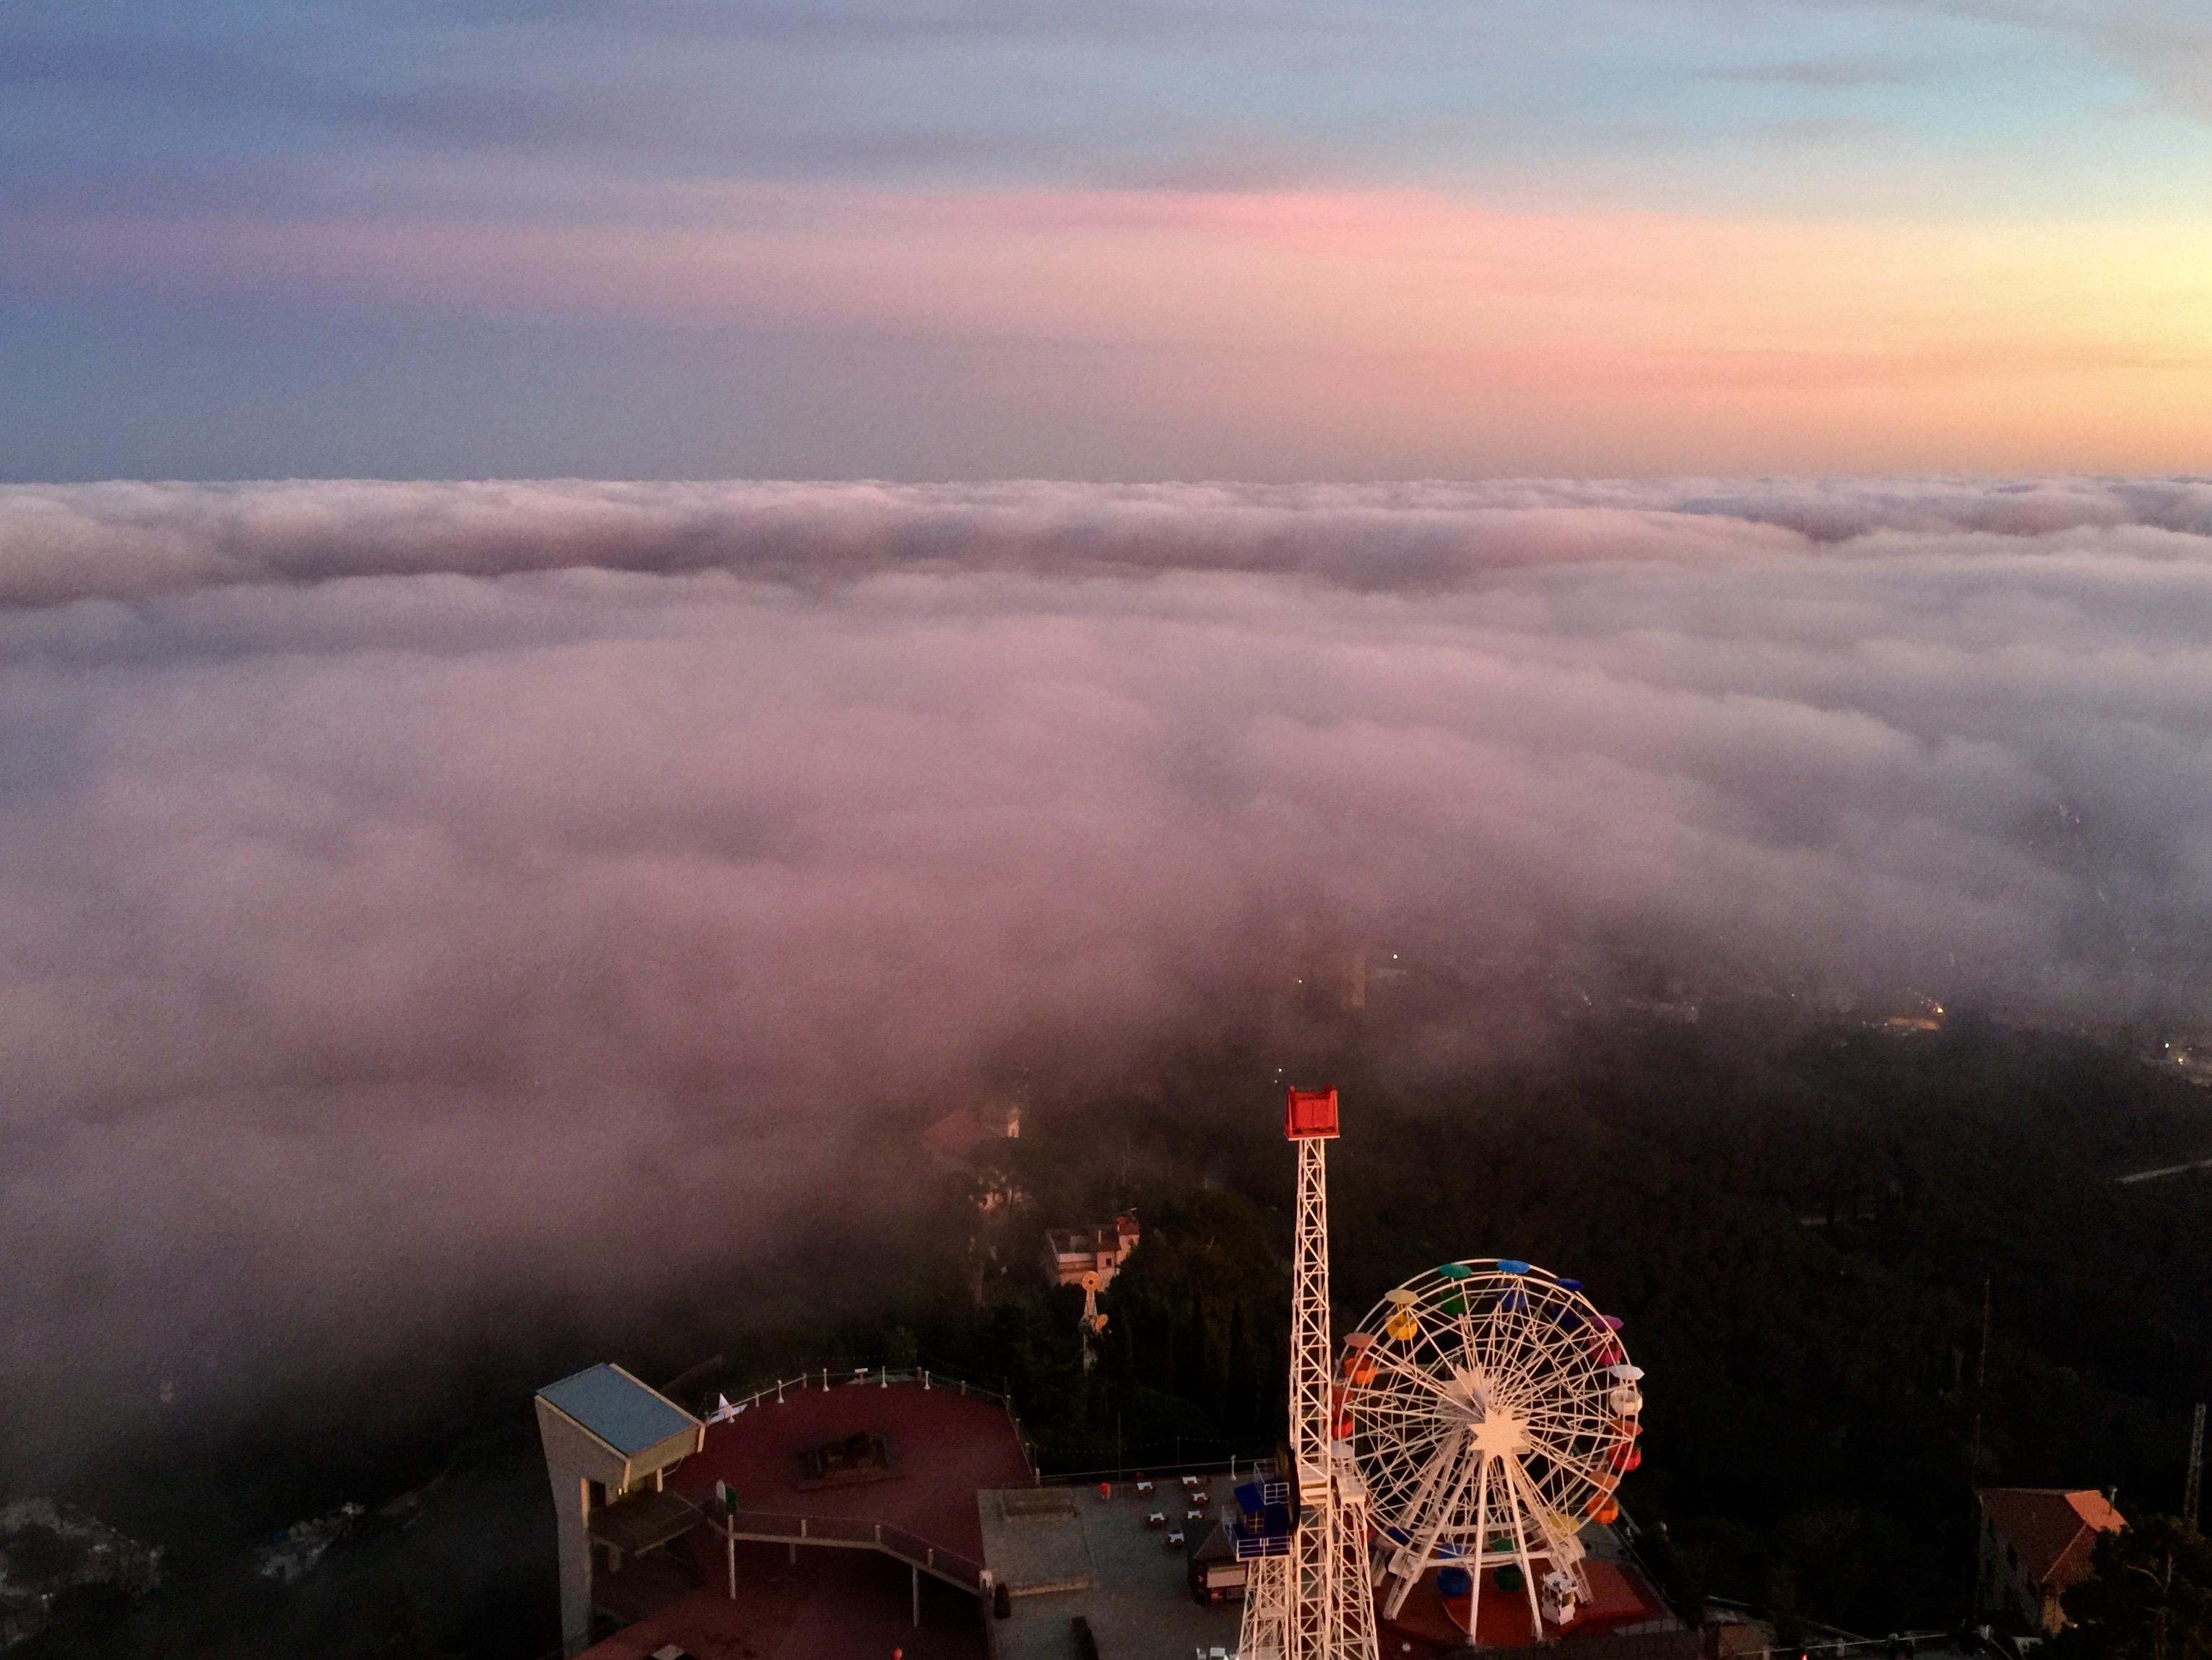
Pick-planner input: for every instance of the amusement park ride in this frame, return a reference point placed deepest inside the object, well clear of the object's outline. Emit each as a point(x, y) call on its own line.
point(1308, 1593)
point(1479, 1418)
point(1093, 1321)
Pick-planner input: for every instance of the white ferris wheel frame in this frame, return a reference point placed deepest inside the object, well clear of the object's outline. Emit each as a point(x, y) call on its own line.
point(1492, 1429)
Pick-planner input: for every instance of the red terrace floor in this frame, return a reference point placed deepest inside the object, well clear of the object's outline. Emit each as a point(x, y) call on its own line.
point(943, 1447)
point(834, 1605)
point(837, 1604)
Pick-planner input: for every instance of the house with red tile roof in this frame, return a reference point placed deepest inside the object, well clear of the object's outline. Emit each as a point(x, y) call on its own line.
point(956, 1140)
point(2035, 1546)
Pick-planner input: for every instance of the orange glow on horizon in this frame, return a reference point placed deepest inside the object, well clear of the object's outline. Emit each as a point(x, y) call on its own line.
point(1406, 325)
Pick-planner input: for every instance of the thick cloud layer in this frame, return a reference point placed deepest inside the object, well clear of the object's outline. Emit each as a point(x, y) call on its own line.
point(412, 889)
point(135, 540)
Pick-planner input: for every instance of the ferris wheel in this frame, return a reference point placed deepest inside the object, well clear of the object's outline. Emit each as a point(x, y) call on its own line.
point(1495, 1412)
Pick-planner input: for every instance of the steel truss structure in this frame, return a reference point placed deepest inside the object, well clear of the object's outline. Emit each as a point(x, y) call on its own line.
point(1309, 1590)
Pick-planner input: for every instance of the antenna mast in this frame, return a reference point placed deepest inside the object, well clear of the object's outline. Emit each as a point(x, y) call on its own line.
point(2193, 1490)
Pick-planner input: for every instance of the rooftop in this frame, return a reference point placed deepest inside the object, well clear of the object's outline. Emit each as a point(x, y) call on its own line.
point(626, 1415)
point(1100, 1236)
point(2054, 1530)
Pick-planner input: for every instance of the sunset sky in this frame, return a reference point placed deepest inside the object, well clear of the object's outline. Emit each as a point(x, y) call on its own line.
point(1316, 239)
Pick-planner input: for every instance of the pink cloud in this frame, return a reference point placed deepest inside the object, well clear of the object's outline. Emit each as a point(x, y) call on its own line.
point(379, 857)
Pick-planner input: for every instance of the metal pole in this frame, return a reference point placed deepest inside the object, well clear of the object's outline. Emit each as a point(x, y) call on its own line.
point(2193, 1491)
point(916, 1573)
point(1974, 1458)
point(730, 1538)
point(1981, 1384)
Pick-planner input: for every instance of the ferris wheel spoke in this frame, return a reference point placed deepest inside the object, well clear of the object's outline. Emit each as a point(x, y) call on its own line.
point(1524, 1513)
point(1568, 1419)
point(1564, 1444)
point(1429, 1519)
point(1566, 1460)
point(1531, 1331)
point(1405, 1372)
point(1450, 1455)
point(1493, 1334)
point(1464, 1321)
point(1533, 1337)
point(1436, 1521)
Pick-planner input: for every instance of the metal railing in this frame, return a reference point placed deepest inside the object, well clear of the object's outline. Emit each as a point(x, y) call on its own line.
point(882, 1377)
point(774, 1528)
point(1821, 1648)
point(1128, 1473)
point(829, 1377)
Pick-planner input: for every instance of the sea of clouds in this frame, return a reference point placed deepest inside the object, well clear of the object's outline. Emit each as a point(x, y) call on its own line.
point(407, 886)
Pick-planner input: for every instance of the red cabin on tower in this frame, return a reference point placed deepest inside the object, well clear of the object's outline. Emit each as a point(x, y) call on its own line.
point(1310, 1115)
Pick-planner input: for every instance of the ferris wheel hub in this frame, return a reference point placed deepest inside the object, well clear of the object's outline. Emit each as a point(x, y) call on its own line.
point(1501, 1434)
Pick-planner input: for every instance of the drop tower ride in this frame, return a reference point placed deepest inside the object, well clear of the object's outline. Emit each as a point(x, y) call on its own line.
point(1309, 1590)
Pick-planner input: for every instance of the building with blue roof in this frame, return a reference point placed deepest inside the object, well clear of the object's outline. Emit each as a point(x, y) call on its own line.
point(610, 1442)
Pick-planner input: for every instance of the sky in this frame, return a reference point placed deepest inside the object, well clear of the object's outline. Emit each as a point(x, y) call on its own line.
point(1131, 239)
point(421, 903)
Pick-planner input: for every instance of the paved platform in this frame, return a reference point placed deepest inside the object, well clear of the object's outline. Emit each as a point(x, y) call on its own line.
point(1033, 1541)
point(1138, 1603)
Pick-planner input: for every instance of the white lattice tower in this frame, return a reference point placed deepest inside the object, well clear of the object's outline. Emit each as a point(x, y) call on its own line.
point(1354, 1620)
point(1317, 1602)
point(1264, 1631)
point(1311, 1352)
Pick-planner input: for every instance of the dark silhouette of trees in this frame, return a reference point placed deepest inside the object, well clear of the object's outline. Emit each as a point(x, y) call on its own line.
point(2148, 1597)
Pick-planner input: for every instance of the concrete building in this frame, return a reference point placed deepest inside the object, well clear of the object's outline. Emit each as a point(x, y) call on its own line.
point(609, 1441)
point(2034, 1546)
point(1071, 1253)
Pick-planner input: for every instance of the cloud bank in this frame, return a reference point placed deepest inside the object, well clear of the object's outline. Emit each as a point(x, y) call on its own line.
point(518, 886)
